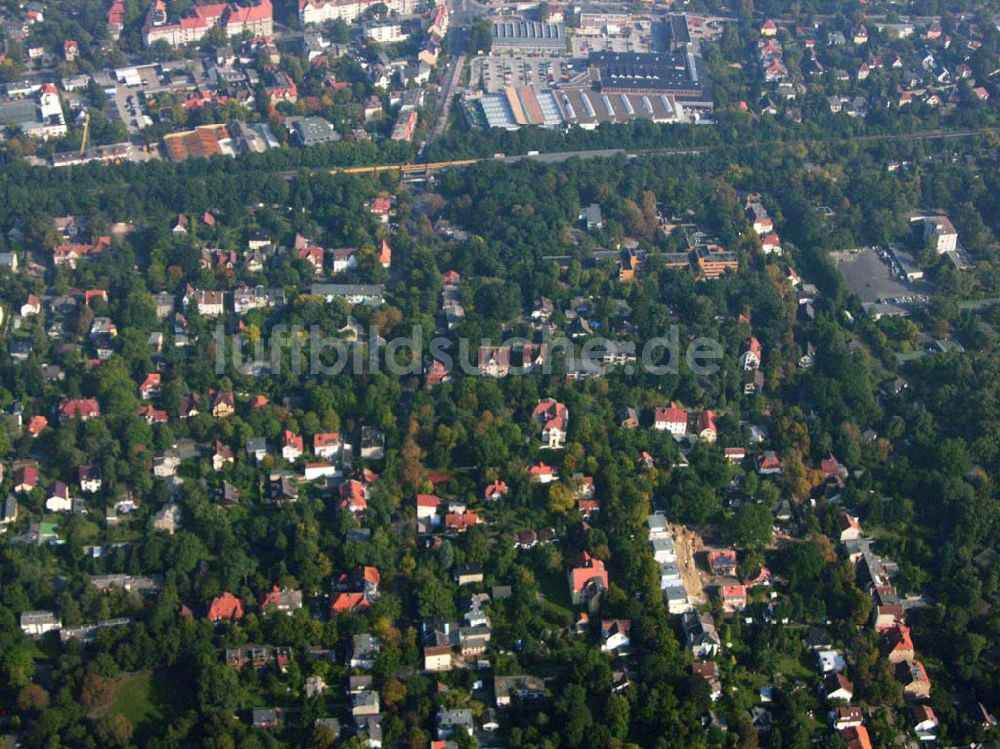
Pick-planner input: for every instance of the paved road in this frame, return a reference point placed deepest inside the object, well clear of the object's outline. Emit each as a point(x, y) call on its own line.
point(449, 92)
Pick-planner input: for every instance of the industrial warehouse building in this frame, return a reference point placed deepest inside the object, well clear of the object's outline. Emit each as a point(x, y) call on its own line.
point(529, 36)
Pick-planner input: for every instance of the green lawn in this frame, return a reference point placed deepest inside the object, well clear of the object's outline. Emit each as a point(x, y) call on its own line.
point(149, 698)
point(133, 699)
point(792, 667)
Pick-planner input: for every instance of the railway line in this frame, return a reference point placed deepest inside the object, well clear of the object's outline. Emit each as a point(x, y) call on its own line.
point(414, 171)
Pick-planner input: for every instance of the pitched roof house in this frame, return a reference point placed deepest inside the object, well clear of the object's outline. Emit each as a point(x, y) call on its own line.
point(227, 606)
point(587, 580)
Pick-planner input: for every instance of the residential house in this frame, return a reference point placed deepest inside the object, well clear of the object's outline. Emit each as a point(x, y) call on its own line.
point(847, 717)
point(838, 687)
point(210, 303)
point(258, 656)
point(90, 479)
point(768, 463)
point(318, 470)
point(265, 717)
point(672, 419)
point(58, 499)
point(587, 581)
point(702, 637)
point(850, 527)
point(291, 446)
point(734, 597)
point(38, 623)
point(856, 737)
point(523, 687)
point(168, 519)
point(223, 405)
point(898, 643)
point(8, 511)
point(437, 658)
point(372, 443)
point(285, 600)
point(913, 676)
point(222, 457)
point(468, 574)
point(495, 491)
point(83, 409)
point(658, 527)
point(459, 522)
point(151, 386)
point(364, 703)
point(831, 661)
point(553, 418)
point(494, 361)
point(36, 425)
point(452, 722)
point(427, 512)
point(722, 562)
point(354, 497)
point(751, 356)
point(706, 429)
point(326, 445)
point(925, 722)
point(256, 448)
point(365, 648)
point(541, 473)
point(225, 607)
point(615, 636)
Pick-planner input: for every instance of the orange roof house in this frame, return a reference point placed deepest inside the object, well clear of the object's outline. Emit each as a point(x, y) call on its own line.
point(857, 737)
point(82, 408)
point(227, 606)
point(587, 580)
point(36, 424)
point(495, 491)
point(346, 602)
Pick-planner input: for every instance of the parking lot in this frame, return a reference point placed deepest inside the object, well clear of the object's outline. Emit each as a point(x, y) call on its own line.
point(872, 279)
point(129, 107)
point(494, 73)
point(583, 45)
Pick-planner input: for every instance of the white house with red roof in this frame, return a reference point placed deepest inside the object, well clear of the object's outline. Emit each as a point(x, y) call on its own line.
point(25, 479)
point(427, 510)
point(496, 490)
point(320, 469)
point(771, 244)
point(849, 526)
point(381, 207)
point(588, 580)
point(326, 445)
point(81, 408)
point(553, 417)
point(32, 306)
point(354, 497)
point(671, 419)
point(751, 357)
point(615, 636)
point(150, 387)
point(291, 446)
point(733, 597)
point(541, 473)
point(707, 431)
point(235, 20)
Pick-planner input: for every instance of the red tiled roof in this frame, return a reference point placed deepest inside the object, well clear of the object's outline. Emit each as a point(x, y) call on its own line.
point(344, 602)
point(226, 606)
